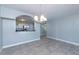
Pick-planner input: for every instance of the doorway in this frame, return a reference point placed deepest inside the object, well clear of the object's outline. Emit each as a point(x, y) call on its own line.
point(43, 30)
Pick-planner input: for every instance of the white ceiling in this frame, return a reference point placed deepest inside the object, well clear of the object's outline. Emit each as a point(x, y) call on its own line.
point(49, 10)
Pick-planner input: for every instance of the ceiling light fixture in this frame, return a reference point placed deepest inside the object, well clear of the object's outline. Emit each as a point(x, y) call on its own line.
point(40, 19)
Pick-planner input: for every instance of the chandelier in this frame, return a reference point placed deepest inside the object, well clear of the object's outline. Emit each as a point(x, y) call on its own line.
point(40, 19)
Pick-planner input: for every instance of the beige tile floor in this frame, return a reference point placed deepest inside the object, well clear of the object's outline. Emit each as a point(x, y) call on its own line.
point(44, 46)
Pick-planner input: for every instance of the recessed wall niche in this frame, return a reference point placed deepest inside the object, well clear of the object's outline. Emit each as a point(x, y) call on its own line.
point(24, 23)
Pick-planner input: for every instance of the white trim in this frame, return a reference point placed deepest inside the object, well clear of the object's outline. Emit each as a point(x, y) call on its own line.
point(69, 42)
point(19, 43)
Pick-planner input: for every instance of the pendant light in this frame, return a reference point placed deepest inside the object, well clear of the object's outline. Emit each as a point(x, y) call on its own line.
point(41, 18)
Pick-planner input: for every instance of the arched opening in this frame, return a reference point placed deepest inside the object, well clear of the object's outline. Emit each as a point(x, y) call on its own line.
point(24, 23)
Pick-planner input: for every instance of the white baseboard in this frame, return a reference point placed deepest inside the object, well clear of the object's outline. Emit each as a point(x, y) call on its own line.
point(69, 42)
point(19, 43)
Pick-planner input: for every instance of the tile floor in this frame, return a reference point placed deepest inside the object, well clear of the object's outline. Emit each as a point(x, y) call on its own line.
point(44, 46)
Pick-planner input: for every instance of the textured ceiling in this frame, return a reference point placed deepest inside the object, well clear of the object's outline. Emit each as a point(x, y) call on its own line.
point(49, 10)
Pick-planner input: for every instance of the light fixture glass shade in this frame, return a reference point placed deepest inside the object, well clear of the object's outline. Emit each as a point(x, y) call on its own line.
point(36, 18)
point(45, 19)
point(42, 18)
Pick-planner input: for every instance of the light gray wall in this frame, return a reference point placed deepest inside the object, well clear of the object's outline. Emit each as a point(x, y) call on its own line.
point(65, 28)
point(0, 30)
point(10, 36)
point(0, 33)
point(11, 13)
